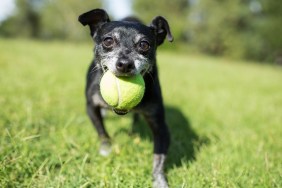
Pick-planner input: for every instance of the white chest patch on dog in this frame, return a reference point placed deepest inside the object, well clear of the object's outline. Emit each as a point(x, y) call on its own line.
point(97, 100)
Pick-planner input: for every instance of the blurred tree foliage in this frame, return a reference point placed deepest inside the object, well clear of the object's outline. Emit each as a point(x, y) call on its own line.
point(237, 28)
point(270, 29)
point(59, 18)
point(26, 21)
point(48, 19)
point(174, 11)
point(220, 26)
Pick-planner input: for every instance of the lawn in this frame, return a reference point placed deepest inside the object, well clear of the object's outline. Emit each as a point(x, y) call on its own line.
point(225, 118)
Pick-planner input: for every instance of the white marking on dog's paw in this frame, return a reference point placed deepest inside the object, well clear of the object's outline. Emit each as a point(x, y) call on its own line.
point(105, 149)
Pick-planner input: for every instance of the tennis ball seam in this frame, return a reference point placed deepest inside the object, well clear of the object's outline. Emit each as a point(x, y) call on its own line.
point(119, 91)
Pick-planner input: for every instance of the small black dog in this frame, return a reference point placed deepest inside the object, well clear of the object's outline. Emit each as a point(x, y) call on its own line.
point(127, 48)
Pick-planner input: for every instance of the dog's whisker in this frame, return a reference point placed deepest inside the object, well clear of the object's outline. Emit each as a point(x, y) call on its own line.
point(147, 70)
point(95, 68)
point(151, 76)
point(103, 67)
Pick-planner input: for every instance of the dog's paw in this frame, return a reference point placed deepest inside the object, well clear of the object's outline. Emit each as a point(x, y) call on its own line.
point(105, 148)
point(159, 181)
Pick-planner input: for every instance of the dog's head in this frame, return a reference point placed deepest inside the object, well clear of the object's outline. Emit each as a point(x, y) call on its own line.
point(125, 47)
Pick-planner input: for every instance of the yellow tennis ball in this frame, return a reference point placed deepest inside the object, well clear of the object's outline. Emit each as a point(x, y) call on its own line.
point(122, 93)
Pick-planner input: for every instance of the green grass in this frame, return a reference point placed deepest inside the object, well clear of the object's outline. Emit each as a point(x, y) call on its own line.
point(225, 119)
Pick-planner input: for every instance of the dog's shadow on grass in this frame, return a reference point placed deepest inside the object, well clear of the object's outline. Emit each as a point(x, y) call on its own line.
point(184, 140)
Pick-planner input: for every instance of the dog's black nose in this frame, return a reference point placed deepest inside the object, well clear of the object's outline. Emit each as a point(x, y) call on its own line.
point(125, 66)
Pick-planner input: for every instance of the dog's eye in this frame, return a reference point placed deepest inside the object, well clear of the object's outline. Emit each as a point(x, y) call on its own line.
point(144, 46)
point(108, 42)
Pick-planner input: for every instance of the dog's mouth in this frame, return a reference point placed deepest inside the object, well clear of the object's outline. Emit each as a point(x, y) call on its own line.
point(120, 112)
point(127, 74)
point(121, 74)
point(105, 68)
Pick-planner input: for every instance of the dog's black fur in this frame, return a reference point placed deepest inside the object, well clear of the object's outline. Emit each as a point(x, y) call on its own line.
point(127, 48)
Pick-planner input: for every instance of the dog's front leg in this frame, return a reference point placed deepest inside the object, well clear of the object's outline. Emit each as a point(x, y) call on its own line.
point(94, 112)
point(159, 179)
point(161, 144)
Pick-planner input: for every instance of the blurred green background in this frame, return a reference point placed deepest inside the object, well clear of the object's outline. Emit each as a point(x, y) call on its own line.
point(221, 84)
point(249, 29)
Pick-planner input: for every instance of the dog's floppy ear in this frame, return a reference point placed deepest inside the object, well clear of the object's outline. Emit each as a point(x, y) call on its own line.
point(94, 19)
point(161, 28)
